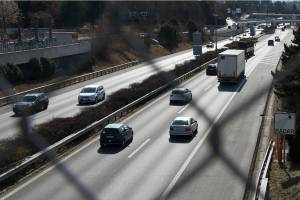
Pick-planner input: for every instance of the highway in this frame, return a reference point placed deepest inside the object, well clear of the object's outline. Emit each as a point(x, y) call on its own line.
point(212, 165)
point(63, 102)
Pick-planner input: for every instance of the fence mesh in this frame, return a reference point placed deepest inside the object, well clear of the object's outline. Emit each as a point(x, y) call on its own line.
point(114, 25)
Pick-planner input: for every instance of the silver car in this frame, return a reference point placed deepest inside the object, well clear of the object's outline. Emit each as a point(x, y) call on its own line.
point(180, 95)
point(91, 94)
point(183, 126)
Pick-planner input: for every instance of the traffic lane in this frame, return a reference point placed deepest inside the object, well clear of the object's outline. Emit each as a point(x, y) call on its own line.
point(65, 104)
point(81, 164)
point(179, 56)
point(235, 143)
point(153, 178)
point(230, 149)
point(83, 156)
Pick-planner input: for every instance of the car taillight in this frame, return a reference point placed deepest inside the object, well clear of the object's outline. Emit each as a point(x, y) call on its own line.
point(188, 129)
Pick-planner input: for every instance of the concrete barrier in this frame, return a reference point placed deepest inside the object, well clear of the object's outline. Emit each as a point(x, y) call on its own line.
point(23, 56)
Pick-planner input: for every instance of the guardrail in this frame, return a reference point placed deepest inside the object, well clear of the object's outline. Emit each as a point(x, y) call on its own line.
point(261, 192)
point(102, 122)
point(54, 86)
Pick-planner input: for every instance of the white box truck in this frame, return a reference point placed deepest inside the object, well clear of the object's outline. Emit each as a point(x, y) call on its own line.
point(231, 66)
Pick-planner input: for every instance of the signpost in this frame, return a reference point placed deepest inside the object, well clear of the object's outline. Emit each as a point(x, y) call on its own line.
point(252, 30)
point(284, 125)
point(197, 44)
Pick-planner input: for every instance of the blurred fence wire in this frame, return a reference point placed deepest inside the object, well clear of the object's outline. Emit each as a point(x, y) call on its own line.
point(113, 25)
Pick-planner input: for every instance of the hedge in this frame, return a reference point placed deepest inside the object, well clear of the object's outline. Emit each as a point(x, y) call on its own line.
point(59, 128)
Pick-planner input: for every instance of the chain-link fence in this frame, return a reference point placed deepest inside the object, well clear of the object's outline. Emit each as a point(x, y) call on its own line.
point(114, 25)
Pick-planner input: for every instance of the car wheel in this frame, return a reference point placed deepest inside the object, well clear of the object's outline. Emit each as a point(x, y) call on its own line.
point(196, 130)
point(131, 139)
point(45, 106)
point(102, 144)
point(123, 143)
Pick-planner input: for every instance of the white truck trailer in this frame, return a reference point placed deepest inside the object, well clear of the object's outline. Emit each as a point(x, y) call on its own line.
point(231, 66)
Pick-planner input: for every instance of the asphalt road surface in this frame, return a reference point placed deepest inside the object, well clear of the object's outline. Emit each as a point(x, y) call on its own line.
point(63, 102)
point(212, 165)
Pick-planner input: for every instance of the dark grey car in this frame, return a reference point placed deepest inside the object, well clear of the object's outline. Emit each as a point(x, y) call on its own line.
point(31, 103)
point(116, 134)
point(211, 69)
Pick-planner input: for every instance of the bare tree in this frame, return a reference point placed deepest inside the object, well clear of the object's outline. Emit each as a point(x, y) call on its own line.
point(9, 12)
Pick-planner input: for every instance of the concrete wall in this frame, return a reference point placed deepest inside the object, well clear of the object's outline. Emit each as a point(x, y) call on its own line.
point(20, 57)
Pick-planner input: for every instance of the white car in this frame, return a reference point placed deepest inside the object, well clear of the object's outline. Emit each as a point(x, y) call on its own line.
point(183, 126)
point(231, 38)
point(181, 95)
point(210, 45)
point(91, 94)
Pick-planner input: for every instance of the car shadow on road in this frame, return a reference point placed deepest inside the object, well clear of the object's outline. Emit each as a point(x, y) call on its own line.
point(232, 87)
point(113, 149)
point(23, 115)
point(181, 139)
point(178, 103)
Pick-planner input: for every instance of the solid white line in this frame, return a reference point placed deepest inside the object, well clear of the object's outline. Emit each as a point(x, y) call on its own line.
point(35, 177)
point(207, 88)
point(182, 109)
point(197, 147)
point(139, 148)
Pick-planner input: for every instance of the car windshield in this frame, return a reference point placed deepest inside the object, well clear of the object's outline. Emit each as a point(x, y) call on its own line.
point(88, 90)
point(110, 131)
point(29, 98)
point(180, 122)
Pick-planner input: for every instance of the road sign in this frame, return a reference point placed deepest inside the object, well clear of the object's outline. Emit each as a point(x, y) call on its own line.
point(252, 30)
point(285, 123)
point(197, 50)
point(197, 38)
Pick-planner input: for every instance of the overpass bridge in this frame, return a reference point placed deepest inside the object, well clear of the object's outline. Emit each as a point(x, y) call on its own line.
point(273, 21)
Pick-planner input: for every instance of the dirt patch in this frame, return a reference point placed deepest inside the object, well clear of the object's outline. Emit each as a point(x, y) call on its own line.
point(284, 179)
point(284, 182)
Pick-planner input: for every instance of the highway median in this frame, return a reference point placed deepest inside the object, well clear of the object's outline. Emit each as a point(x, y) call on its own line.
point(18, 156)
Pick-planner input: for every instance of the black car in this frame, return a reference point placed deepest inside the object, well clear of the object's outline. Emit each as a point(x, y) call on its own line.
point(31, 103)
point(116, 134)
point(210, 45)
point(211, 69)
point(270, 42)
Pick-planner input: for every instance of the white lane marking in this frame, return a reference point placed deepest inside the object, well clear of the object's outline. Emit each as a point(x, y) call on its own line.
point(182, 109)
point(197, 147)
point(207, 88)
point(35, 177)
point(139, 148)
point(169, 188)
